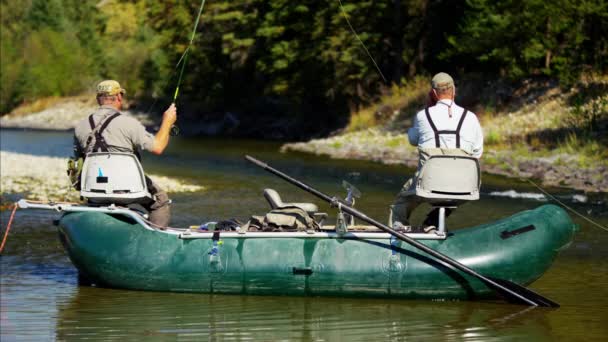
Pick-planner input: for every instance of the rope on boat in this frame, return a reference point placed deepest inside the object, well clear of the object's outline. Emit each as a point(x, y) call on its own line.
point(8, 227)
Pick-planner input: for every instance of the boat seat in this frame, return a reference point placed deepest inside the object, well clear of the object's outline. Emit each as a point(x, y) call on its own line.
point(449, 180)
point(274, 199)
point(113, 178)
point(446, 181)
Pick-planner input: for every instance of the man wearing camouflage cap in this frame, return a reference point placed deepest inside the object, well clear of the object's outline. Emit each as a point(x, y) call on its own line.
point(434, 131)
point(123, 133)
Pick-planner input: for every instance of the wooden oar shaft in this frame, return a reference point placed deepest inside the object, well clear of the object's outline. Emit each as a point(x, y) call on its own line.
point(522, 298)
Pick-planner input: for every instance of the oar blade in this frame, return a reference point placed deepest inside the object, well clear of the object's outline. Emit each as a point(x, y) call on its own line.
point(528, 294)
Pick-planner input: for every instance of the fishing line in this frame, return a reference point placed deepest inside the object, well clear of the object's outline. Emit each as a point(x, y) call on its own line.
point(344, 14)
point(361, 41)
point(565, 206)
point(546, 193)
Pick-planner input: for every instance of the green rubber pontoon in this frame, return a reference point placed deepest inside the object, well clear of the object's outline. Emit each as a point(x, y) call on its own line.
point(115, 247)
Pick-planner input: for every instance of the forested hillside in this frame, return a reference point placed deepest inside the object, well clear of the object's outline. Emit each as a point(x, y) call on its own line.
point(298, 59)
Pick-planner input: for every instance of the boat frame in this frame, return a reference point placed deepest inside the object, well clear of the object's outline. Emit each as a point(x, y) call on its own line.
point(189, 234)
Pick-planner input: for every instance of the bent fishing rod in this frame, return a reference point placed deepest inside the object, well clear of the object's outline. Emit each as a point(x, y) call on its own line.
point(184, 61)
point(509, 290)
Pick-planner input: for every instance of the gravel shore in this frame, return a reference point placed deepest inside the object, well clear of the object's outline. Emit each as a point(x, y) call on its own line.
point(62, 116)
point(389, 148)
point(25, 173)
point(44, 178)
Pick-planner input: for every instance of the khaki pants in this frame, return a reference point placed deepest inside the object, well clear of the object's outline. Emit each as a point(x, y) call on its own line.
point(159, 210)
point(407, 201)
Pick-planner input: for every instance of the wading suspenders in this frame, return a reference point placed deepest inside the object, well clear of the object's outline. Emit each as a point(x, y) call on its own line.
point(437, 133)
point(100, 143)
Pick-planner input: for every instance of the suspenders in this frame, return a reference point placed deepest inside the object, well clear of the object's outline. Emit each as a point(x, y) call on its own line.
point(437, 132)
point(100, 143)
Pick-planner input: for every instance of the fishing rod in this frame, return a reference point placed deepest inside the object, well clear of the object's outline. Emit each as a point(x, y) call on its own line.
point(184, 61)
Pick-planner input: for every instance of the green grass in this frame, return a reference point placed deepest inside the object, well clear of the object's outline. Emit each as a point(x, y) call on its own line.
point(336, 144)
point(392, 105)
point(396, 142)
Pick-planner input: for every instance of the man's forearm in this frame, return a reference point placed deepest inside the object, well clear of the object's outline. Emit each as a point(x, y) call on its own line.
point(161, 139)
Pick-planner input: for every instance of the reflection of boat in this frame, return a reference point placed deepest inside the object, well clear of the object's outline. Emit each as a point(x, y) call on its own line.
point(116, 248)
point(115, 315)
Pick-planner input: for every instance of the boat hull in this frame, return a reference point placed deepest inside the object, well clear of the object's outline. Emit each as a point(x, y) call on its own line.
point(115, 251)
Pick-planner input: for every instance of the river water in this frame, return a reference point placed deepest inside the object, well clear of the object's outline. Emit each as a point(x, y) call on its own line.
point(41, 300)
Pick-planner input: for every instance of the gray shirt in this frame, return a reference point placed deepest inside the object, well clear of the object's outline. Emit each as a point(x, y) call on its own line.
point(123, 134)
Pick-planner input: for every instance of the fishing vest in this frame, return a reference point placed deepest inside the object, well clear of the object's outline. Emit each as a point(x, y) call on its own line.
point(439, 132)
point(96, 136)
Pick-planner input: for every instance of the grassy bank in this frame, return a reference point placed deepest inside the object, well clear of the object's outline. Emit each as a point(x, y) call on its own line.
point(533, 130)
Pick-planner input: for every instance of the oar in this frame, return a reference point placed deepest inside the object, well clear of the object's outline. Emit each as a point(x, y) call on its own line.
point(512, 292)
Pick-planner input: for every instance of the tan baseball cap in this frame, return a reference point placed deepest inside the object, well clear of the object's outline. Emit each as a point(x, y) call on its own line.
point(110, 88)
point(442, 81)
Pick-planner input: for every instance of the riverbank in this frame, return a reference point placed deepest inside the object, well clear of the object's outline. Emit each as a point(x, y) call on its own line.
point(59, 114)
point(43, 178)
point(542, 133)
point(535, 131)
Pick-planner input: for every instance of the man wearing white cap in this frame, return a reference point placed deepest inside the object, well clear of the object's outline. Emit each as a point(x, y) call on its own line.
point(123, 133)
point(443, 126)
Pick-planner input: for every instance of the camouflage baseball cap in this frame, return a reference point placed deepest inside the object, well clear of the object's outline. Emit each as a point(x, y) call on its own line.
point(442, 81)
point(109, 87)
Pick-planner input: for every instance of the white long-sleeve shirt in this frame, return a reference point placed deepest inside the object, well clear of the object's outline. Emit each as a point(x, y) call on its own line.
point(421, 134)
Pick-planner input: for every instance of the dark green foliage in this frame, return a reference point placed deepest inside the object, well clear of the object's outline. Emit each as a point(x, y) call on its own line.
point(519, 39)
point(294, 58)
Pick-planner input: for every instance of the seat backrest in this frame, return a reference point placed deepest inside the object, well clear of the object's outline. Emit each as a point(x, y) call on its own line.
point(449, 178)
point(274, 199)
point(113, 177)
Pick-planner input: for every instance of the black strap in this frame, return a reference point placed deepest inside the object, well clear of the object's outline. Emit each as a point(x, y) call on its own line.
point(459, 127)
point(438, 132)
point(100, 142)
point(428, 117)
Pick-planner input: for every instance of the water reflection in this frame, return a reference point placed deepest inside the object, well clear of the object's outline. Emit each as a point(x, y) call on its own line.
point(116, 315)
point(41, 300)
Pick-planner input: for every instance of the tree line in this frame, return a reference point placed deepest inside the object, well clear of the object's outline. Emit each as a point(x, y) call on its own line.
point(295, 57)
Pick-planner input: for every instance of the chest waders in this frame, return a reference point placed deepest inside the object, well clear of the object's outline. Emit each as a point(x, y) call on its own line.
point(75, 165)
point(439, 132)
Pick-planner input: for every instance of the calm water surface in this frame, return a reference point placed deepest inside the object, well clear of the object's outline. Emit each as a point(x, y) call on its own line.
point(41, 300)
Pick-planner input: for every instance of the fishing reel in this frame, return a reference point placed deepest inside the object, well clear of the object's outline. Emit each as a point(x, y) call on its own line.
point(351, 193)
point(345, 220)
point(174, 131)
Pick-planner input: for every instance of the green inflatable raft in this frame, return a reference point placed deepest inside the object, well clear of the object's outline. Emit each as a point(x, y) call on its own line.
point(114, 247)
